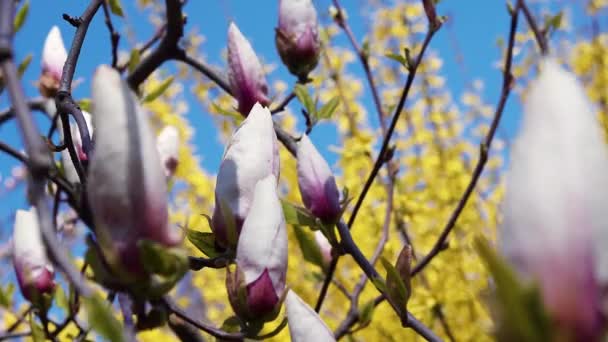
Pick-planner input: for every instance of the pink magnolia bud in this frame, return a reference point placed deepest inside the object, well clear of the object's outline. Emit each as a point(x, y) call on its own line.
point(304, 323)
point(245, 72)
point(324, 248)
point(34, 271)
point(555, 226)
point(317, 184)
point(297, 37)
point(127, 190)
point(251, 155)
point(167, 144)
point(261, 254)
point(54, 55)
point(69, 169)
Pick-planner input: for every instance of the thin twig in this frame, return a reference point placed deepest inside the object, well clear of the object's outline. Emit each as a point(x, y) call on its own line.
point(63, 100)
point(507, 84)
point(114, 36)
point(205, 70)
point(36, 104)
point(541, 39)
point(213, 331)
point(381, 158)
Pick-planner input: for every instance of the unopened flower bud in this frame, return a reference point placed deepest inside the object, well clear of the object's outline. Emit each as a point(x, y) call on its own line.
point(167, 144)
point(245, 72)
point(317, 184)
point(304, 323)
point(252, 154)
point(127, 189)
point(297, 37)
point(34, 271)
point(555, 227)
point(54, 56)
point(261, 254)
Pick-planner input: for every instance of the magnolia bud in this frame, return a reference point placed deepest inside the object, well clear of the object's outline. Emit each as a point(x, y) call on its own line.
point(297, 37)
point(324, 248)
point(167, 144)
point(127, 190)
point(54, 56)
point(245, 72)
point(252, 154)
point(69, 169)
point(261, 254)
point(555, 226)
point(304, 323)
point(34, 272)
point(317, 184)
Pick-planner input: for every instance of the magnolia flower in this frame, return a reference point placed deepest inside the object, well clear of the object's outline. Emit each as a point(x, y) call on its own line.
point(251, 155)
point(324, 247)
point(54, 56)
point(304, 323)
point(297, 37)
point(245, 72)
point(261, 254)
point(167, 144)
point(555, 226)
point(34, 271)
point(126, 186)
point(69, 169)
point(317, 184)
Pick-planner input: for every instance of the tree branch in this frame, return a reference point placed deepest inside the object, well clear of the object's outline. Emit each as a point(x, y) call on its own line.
point(507, 84)
point(63, 100)
point(166, 50)
point(114, 36)
point(173, 308)
point(40, 161)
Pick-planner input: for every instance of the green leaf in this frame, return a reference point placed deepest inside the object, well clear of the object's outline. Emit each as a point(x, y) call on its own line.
point(203, 241)
point(328, 109)
point(160, 89)
point(21, 15)
point(396, 288)
point(24, 64)
point(554, 23)
point(234, 115)
point(116, 8)
point(85, 105)
point(298, 216)
point(367, 313)
point(134, 59)
point(36, 330)
point(524, 317)
point(230, 223)
point(310, 249)
point(302, 94)
point(102, 320)
point(231, 324)
point(399, 58)
point(160, 260)
point(6, 295)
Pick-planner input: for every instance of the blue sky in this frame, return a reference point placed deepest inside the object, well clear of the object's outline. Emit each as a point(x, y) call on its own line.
point(471, 32)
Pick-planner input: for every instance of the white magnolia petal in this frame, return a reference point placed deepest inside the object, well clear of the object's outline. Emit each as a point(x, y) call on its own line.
point(296, 16)
point(127, 187)
point(250, 156)
point(304, 323)
point(263, 241)
point(54, 53)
